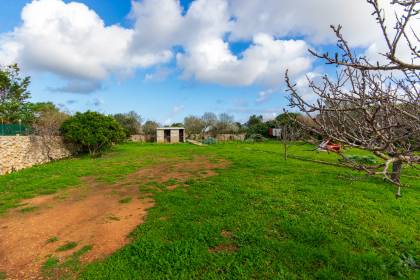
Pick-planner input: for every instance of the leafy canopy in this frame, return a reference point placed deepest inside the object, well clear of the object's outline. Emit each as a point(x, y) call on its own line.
point(93, 131)
point(14, 95)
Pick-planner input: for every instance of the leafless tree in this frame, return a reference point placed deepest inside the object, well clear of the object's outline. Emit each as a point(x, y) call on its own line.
point(210, 121)
point(289, 132)
point(47, 129)
point(372, 105)
point(149, 129)
point(225, 124)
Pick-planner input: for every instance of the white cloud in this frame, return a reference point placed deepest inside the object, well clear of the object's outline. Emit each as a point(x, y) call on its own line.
point(71, 40)
point(157, 24)
point(264, 96)
point(304, 18)
point(264, 62)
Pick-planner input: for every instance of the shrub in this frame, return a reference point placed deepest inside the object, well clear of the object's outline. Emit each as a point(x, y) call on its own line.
point(209, 141)
point(362, 159)
point(256, 138)
point(92, 131)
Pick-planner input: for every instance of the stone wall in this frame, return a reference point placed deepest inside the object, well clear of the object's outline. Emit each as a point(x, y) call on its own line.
point(230, 137)
point(138, 138)
point(19, 152)
point(219, 137)
point(174, 136)
point(160, 136)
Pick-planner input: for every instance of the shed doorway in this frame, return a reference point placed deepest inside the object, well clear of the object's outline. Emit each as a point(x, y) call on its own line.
point(181, 135)
point(167, 136)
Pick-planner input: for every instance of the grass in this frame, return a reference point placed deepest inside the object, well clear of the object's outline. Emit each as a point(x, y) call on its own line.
point(288, 219)
point(50, 263)
point(68, 269)
point(29, 209)
point(52, 240)
point(125, 200)
point(67, 246)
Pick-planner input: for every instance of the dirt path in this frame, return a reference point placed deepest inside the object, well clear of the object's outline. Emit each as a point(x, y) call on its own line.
point(97, 215)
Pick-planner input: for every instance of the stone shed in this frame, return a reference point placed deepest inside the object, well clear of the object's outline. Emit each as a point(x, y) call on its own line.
point(170, 134)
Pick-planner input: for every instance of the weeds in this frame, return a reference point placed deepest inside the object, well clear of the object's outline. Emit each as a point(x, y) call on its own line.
point(67, 246)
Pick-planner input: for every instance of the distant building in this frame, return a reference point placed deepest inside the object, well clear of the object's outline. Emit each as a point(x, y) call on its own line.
point(274, 132)
point(170, 134)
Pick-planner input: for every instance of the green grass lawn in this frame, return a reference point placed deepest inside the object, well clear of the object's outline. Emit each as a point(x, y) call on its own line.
point(286, 219)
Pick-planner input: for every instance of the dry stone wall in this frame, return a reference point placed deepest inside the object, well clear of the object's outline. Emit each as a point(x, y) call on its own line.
point(19, 152)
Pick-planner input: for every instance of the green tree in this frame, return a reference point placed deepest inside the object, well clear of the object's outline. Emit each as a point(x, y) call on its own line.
point(288, 119)
point(14, 95)
point(92, 131)
point(41, 107)
point(257, 126)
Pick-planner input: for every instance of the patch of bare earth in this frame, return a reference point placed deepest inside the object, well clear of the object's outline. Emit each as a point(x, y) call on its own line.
point(227, 248)
point(226, 234)
point(96, 214)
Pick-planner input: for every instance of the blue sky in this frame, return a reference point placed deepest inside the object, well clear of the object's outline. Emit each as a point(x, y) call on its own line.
point(167, 59)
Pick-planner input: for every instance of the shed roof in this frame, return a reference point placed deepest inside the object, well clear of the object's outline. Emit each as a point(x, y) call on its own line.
point(170, 128)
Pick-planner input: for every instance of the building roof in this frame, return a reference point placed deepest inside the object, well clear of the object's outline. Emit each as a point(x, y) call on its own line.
point(170, 128)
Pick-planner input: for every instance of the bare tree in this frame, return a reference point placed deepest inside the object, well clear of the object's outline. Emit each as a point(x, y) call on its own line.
point(210, 121)
point(226, 124)
point(149, 129)
point(289, 132)
point(372, 105)
point(47, 128)
point(194, 125)
point(131, 122)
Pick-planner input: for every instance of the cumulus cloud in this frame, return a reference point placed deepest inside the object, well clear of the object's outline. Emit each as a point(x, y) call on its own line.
point(304, 18)
point(157, 24)
point(265, 61)
point(73, 41)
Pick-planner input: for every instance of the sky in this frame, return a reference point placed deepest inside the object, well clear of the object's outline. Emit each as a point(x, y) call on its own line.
point(167, 59)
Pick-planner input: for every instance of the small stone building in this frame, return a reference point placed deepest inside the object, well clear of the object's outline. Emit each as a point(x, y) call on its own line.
point(170, 134)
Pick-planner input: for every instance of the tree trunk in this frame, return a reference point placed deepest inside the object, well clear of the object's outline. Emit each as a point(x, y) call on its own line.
point(396, 174)
point(284, 133)
point(285, 149)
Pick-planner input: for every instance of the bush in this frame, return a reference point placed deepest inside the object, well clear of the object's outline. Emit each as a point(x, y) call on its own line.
point(92, 131)
point(362, 159)
point(256, 138)
point(209, 141)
